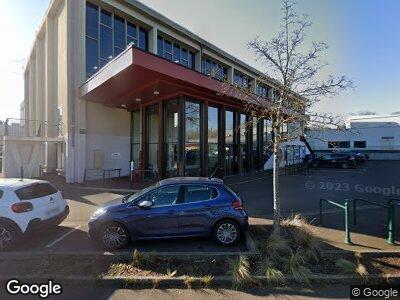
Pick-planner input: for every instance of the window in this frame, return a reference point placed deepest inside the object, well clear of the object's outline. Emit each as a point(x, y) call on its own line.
point(214, 69)
point(92, 56)
point(192, 139)
point(262, 90)
point(119, 35)
point(92, 39)
point(360, 144)
point(241, 80)
point(243, 144)
point(160, 46)
point(106, 42)
point(255, 152)
point(131, 34)
point(143, 39)
point(171, 136)
point(175, 52)
point(212, 139)
point(92, 20)
point(109, 37)
point(197, 193)
point(135, 138)
point(344, 144)
point(152, 138)
point(168, 195)
point(230, 154)
point(35, 191)
point(1, 194)
point(168, 50)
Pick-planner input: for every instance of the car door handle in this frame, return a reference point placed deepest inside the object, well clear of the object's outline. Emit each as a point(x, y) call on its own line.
point(172, 212)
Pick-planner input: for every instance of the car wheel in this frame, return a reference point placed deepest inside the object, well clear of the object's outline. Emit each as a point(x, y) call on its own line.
point(8, 237)
point(226, 232)
point(345, 166)
point(114, 236)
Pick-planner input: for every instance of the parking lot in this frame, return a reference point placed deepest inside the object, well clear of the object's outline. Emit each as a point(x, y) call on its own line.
point(375, 180)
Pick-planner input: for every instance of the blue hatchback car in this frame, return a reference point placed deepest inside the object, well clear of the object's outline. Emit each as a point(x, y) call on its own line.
point(174, 207)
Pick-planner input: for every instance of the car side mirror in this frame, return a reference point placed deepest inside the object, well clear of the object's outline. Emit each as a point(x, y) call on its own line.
point(145, 204)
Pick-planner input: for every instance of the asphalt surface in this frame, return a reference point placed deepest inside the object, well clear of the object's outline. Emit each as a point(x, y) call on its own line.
point(374, 181)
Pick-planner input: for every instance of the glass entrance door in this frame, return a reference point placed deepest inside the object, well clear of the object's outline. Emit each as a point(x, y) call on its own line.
point(192, 139)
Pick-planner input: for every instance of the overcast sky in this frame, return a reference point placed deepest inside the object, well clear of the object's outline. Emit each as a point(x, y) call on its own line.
point(362, 35)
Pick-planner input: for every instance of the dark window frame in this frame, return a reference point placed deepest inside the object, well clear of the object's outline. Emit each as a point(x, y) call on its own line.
point(360, 144)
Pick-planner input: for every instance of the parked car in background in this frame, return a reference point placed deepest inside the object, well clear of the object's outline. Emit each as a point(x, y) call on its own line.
point(28, 205)
point(360, 157)
point(334, 160)
point(174, 207)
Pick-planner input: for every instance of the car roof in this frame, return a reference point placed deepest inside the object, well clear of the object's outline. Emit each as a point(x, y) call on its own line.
point(15, 183)
point(191, 180)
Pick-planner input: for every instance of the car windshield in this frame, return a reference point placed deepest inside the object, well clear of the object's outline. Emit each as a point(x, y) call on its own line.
point(133, 197)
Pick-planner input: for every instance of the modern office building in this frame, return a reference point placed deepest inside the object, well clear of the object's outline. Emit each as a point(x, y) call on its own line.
point(127, 84)
point(376, 135)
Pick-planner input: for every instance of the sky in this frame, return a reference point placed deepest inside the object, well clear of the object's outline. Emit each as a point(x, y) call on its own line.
point(362, 36)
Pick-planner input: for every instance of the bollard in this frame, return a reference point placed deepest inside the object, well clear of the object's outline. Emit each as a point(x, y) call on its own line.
point(391, 225)
point(346, 223)
point(320, 211)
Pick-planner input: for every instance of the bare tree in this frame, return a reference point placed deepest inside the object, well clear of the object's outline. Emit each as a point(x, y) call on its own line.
point(297, 86)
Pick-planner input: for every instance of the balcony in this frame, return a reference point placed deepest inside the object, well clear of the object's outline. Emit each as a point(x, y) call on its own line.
point(33, 130)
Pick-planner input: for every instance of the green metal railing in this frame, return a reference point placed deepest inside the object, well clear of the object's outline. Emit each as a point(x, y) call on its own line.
point(345, 207)
point(392, 223)
point(390, 216)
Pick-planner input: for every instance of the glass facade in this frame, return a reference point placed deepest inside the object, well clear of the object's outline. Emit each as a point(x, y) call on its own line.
point(171, 137)
point(135, 138)
point(244, 150)
point(255, 146)
point(183, 138)
point(152, 138)
point(192, 139)
point(213, 128)
point(175, 52)
point(107, 35)
point(230, 163)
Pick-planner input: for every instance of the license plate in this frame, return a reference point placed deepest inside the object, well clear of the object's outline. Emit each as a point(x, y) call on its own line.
point(52, 211)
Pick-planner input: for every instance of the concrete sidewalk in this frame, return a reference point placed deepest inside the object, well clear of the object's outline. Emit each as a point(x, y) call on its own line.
point(333, 239)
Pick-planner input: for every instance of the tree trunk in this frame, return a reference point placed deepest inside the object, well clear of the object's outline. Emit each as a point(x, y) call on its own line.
point(275, 183)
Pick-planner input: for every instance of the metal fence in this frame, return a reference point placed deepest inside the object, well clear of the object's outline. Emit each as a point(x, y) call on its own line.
point(32, 128)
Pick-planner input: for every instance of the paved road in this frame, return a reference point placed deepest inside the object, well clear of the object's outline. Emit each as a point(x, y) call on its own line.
point(372, 181)
point(100, 293)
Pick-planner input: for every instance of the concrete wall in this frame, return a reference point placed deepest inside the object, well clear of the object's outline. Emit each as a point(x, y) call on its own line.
point(27, 154)
point(108, 130)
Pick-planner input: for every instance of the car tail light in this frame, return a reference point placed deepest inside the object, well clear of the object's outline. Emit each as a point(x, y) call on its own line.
point(237, 204)
point(22, 207)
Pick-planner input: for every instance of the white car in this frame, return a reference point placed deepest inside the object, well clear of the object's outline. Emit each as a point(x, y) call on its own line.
point(28, 205)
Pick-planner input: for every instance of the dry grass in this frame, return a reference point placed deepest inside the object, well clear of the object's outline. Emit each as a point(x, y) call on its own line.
point(207, 280)
point(189, 281)
point(240, 269)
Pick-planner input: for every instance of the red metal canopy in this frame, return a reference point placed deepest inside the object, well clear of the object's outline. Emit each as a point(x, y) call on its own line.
point(136, 74)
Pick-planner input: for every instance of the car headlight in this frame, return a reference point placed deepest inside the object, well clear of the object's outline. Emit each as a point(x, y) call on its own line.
point(98, 213)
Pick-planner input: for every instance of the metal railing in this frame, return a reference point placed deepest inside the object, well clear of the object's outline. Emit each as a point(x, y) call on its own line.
point(32, 128)
point(345, 207)
point(390, 216)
